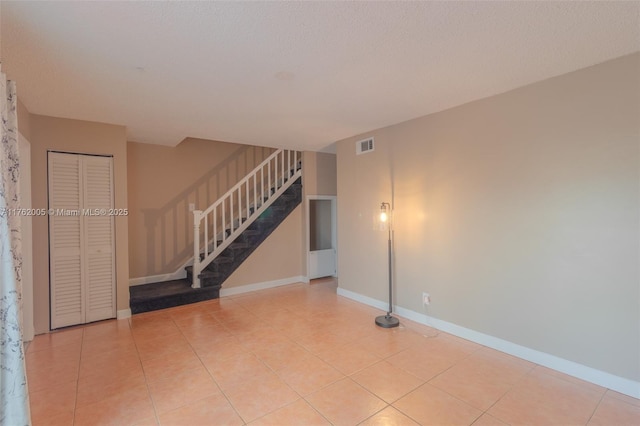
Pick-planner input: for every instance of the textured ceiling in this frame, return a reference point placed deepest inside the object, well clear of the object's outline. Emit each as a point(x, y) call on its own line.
point(292, 74)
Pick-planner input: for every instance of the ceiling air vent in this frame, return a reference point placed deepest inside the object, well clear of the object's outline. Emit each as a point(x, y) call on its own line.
point(364, 146)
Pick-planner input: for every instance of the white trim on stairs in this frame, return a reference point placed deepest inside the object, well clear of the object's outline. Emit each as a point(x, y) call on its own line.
point(261, 286)
point(123, 314)
point(589, 374)
point(180, 274)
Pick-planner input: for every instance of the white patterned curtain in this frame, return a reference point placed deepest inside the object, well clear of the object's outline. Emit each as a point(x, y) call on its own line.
point(14, 394)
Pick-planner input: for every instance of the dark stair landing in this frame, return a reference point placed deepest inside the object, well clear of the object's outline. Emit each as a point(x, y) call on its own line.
point(151, 297)
point(167, 294)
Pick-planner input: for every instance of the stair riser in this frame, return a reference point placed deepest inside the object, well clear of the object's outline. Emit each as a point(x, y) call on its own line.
point(178, 300)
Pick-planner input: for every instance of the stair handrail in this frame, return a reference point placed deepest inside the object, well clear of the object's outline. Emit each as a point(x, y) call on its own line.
point(284, 174)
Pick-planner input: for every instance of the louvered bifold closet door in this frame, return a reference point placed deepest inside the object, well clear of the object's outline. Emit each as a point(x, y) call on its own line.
point(81, 239)
point(65, 240)
point(98, 221)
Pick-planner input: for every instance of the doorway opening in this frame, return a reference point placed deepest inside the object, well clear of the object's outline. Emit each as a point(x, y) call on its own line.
point(321, 237)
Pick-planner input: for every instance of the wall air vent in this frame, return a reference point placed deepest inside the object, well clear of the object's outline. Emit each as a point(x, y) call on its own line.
point(364, 146)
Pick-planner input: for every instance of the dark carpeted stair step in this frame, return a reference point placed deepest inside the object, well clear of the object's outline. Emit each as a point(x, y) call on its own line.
point(151, 297)
point(205, 273)
point(241, 245)
point(222, 260)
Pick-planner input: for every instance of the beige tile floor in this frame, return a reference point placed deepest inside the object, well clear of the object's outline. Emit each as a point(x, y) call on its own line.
point(296, 355)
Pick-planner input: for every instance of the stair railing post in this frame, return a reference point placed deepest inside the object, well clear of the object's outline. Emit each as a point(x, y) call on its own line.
point(197, 216)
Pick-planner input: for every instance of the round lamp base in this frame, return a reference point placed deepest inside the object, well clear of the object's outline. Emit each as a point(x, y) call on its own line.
point(387, 321)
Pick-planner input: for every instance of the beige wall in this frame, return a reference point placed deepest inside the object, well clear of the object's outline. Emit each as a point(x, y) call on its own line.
point(276, 258)
point(319, 173)
point(162, 182)
point(518, 213)
point(49, 133)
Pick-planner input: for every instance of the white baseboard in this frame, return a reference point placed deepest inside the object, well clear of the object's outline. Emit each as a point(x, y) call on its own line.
point(260, 286)
point(177, 275)
point(362, 299)
point(589, 374)
point(123, 314)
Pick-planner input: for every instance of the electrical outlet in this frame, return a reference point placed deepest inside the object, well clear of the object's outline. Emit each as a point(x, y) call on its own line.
point(426, 299)
point(192, 207)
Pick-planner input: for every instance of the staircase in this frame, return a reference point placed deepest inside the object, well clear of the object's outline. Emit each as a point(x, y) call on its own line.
point(238, 222)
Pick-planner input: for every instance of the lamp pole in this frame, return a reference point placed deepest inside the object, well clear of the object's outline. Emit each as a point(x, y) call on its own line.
point(388, 321)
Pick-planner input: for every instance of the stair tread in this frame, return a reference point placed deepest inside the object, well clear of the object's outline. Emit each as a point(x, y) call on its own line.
point(236, 246)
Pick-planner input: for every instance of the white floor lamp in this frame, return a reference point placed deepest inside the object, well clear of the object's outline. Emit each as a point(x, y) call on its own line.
point(388, 321)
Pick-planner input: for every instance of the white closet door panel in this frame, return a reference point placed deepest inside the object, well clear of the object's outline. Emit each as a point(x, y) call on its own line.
point(66, 294)
point(100, 290)
point(82, 242)
point(65, 240)
point(99, 231)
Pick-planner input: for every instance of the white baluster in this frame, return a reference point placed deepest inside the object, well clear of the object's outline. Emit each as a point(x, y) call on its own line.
point(197, 214)
point(215, 228)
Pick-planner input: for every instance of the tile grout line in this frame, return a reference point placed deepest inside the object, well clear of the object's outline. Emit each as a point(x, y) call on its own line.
point(287, 384)
point(302, 397)
point(509, 390)
point(226, 397)
point(146, 383)
point(427, 382)
point(75, 402)
point(596, 407)
point(357, 384)
point(378, 412)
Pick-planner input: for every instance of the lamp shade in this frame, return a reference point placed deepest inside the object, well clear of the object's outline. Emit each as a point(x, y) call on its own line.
point(384, 215)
